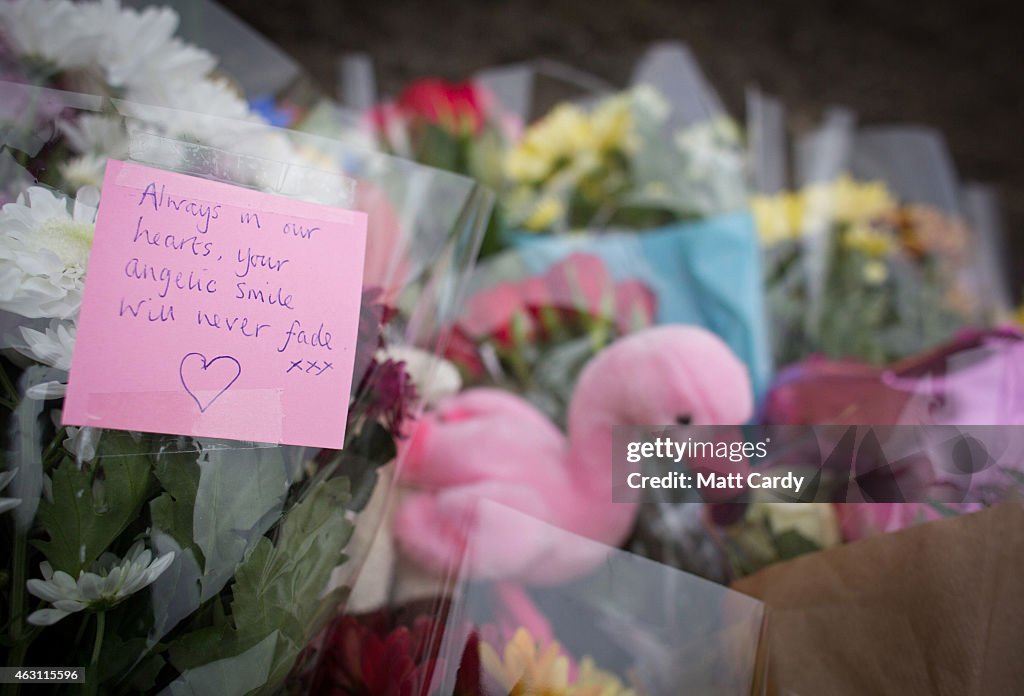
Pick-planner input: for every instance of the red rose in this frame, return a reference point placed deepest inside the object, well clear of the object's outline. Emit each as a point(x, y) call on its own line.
point(460, 108)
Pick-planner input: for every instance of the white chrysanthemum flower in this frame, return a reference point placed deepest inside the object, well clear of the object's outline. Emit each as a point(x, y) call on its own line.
point(182, 106)
point(8, 503)
point(96, 134)
point(49, 31)
point(105, 585)
point(128, 48)
point(435, 378)
point(139, 46)
point(87, 170)
point(51, 346)
point(43, 253)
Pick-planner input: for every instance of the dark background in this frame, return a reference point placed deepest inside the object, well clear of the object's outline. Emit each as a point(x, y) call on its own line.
point(953, 65)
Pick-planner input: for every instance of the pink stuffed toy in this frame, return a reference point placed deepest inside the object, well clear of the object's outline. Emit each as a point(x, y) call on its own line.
point(493, 445)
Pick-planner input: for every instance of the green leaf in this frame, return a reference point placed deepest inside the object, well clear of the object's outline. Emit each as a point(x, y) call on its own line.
point(236, 674)
point(172, 511)
point(204, 645)
point(90, 509)
point(790, 544)
point(277, 589)
point(240, 496)
point(176, 592)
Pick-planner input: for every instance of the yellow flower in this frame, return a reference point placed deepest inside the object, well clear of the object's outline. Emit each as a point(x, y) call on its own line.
point(861, 201)
point(593, 681)
point(777, 217)
point(524, 164)
point(875, 272)
point(788, 215)
point(525, 669)
point(555, 137)
point(611, 124)
point(814, 521)
point(845, 200)
point(868, 240)
point(547, 211)
point(1019, 315)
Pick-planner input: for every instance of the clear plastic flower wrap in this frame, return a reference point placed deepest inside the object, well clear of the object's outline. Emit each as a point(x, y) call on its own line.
point(167, 563)
point(870, 250)
point(576, 617)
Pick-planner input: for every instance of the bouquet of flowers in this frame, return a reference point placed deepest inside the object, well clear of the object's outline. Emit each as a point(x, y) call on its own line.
point(456, 127)
point(890, 286)
point(617, 625)
point(653, 181)
point(611, 167)
point(532, 335)
point(162, 562)
point(870, 257)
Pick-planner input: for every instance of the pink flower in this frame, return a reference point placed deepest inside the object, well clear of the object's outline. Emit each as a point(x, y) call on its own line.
point(578, 286)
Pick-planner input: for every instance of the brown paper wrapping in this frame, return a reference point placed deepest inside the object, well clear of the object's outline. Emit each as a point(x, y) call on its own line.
point(936, 609)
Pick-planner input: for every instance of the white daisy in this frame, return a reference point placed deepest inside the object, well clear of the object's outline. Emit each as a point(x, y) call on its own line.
point(106, 584)
point(43, 252)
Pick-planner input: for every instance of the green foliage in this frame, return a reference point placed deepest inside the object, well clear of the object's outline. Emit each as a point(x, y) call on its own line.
point(240, 496)
point(92, 507)
point(790, 544)
point(172, 510)
point(277, 587)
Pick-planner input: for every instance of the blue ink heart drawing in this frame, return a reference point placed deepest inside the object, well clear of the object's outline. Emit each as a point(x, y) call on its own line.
point(206, 377)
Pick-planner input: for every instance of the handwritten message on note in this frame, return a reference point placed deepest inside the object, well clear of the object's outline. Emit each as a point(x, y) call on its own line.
point(217, 311)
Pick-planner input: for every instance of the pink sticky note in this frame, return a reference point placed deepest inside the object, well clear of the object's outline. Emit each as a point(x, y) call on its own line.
point(217, 311)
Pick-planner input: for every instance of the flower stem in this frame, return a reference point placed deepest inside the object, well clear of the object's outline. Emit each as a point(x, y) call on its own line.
point(92, 679)
point(54, 446)
point(19, 642)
